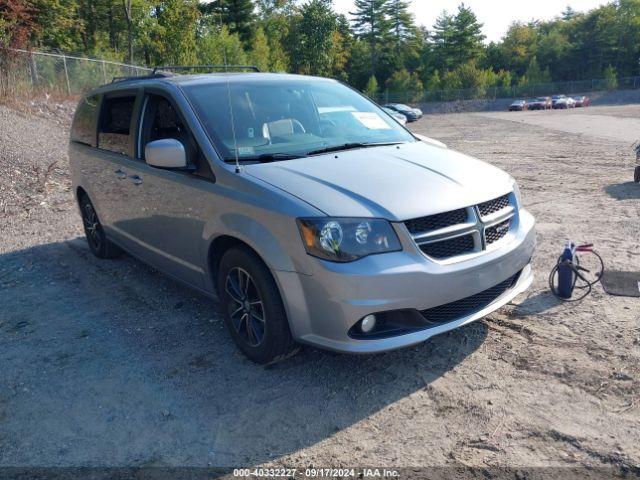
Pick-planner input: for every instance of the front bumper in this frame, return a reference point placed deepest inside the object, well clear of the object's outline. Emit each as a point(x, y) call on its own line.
point(323, 307)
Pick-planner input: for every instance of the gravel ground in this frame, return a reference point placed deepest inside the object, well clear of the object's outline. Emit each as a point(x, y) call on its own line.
point(108, 363)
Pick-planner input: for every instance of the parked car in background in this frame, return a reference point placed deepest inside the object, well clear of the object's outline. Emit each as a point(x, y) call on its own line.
point(636, 174)
point(308, 212)
point(518, 106)
point(540, 103)
point(412, 114)
point(399, 117)
point(582, 101)
point(563, 102)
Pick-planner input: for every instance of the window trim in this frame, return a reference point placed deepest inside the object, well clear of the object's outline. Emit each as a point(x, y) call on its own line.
point(147, 92)
point(135, 93)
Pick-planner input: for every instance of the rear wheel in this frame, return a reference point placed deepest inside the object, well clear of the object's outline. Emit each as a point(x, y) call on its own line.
point(252, 307)
point(99, 245)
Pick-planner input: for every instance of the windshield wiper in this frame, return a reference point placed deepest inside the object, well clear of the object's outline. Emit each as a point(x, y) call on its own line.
point(351, 146)
point(266, 157)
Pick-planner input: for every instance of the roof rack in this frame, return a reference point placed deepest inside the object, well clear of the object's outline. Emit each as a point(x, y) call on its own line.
point(154, 74)
point(226, 68)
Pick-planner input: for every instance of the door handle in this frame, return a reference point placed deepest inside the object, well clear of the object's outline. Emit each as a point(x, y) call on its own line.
point(120, 174)
point(136, 179)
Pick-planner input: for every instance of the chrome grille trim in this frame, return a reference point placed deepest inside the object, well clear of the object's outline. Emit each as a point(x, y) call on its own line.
point(476, 226)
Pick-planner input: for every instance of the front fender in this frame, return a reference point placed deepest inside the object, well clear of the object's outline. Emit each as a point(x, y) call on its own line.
point(282, 251)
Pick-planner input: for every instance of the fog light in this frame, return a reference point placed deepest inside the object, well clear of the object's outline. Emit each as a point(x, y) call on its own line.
point(368, 323)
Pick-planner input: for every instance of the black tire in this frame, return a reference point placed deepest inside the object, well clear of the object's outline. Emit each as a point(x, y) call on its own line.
point(99, 244)
point(636, 175)
point(253, 311)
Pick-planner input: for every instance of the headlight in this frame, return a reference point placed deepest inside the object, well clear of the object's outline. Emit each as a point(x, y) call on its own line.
point(347, 239)
point(516, 192)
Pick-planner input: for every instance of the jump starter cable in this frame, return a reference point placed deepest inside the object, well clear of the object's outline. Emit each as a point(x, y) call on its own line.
point(569, 264)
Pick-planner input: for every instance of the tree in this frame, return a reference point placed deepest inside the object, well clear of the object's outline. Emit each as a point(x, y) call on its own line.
point(457, 38)
point(467, 36)
point(568, 13)
point(610, 78)
point(260, 53)
point(16, 23)
point(127, 9)
point(237, 15)
point(177, 22)
point(408, 85)
point(274, 17)
point(371, 24)
point(310, 39)
point(221, 48)
point(401, 22)
point(371, 90)
point(519, 46)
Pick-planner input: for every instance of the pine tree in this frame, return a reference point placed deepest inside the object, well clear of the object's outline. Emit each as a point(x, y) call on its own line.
point(372, 25)
point(237, 15)
point(458, 38)
point(401, 21)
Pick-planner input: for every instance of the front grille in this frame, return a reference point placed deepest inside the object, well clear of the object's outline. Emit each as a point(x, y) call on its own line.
point(449, 248)
point(437, 221)
point(469, 305)
point(466, 228)
point(493, 206)
point(496, 232)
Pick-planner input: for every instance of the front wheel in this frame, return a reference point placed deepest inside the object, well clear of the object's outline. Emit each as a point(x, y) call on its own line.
point(252, 307)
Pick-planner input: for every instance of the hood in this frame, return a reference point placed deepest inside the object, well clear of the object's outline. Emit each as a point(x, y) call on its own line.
point(393, 182)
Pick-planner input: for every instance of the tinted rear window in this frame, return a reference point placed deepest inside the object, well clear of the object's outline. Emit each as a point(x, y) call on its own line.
point(116, 122)
point(83, 129)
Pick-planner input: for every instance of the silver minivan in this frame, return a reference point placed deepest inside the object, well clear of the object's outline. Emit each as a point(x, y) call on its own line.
point(309, 212)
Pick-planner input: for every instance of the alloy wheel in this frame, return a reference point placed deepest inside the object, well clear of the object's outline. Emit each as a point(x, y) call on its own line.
point(92, 226)
point(245, 306)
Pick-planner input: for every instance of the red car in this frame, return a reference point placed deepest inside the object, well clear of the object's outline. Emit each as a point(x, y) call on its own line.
point(582, 101)
point(540, 103)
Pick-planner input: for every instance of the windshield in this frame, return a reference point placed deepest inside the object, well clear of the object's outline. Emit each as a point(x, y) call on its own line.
point(271, 117)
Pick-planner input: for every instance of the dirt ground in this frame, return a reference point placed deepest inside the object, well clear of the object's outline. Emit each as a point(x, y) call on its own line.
point(109, 363)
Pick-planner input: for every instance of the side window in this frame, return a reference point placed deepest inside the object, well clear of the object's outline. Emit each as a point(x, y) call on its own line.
point(83, 128)
point(114, 134)
point(162, 121)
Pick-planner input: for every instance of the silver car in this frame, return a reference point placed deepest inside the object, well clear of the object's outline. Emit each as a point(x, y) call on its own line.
point(311, 214)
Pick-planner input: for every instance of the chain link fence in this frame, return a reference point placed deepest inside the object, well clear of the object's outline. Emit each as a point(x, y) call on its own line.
point(26, 73)
point(519, 91)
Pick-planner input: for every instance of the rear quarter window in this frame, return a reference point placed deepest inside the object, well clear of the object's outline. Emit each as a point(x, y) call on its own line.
point(114, 133)
point(83, 128)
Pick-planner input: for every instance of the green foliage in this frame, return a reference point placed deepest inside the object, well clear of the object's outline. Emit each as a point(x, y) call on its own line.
point(372, 88)
point(237, 15)
point(407, 83)
point(177, 25)
point(260, 53)
point(382, 42)
point(221, 48)
point(311, 42)
point(610, 78)
point(371, 24)
point(457, 38)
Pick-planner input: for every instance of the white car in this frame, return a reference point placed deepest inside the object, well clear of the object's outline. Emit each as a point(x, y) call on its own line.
point(561, 102)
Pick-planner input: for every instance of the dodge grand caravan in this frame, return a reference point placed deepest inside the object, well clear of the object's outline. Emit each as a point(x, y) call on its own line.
point(309, 212)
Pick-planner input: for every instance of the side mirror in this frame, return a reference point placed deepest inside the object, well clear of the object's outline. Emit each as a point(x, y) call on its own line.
point(165, 153)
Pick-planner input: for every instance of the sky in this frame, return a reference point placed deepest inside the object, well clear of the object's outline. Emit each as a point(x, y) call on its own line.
point(496, 15)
